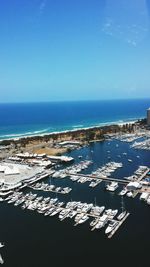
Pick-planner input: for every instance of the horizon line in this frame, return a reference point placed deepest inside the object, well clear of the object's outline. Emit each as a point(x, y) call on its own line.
point(81, 100)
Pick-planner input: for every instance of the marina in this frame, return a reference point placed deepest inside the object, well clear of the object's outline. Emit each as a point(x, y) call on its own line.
point(80, 211)
point(89, 207)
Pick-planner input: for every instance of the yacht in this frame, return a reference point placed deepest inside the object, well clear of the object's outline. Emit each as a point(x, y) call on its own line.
point(1, 245)
point(111, 226)
point(112, 187)
point(1, 259)
point(78, 217)
point(130, 160)
point(129, 194)
point(102, 221)
point(148, 200)
point(96, 210)
point(83, 219)
point(123, 191)
point(111, 213)
point(71, 214)
point(56, 211)
point(94, 222)
point(144, 196)
point(121, 215)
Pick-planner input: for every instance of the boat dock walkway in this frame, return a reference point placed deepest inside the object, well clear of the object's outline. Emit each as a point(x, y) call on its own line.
point(100, 178)
point(143, 175)
point(145, 189)
point(110, 179)
point(117, 227)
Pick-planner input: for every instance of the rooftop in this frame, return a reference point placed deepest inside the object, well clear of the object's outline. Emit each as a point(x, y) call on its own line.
point(12, 174)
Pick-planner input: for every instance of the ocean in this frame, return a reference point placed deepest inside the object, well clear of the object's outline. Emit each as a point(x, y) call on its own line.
point(27, 119)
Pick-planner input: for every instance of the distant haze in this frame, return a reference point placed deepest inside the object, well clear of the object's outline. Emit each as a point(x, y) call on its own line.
point(56, 50)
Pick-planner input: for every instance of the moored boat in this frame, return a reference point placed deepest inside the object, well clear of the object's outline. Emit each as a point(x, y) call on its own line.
point(121, 215)
point(111, 226)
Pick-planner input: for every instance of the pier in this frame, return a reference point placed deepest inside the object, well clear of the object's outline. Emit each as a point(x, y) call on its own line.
point(143, 175)
point(109, 179)
point(100, 178)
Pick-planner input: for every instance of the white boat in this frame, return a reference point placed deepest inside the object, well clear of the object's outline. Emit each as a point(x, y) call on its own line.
point(112, 187)
point(96, 210)
point(71, 214)
point(78, 217)
point(94, 222)
point(111, 226)
point(121, 215)
point(1, 245)
point(102, 221)
point(144, 196)
point(1, 259)
point(56, 211)
point(83, 219)
point(129, 194)
point(130, 160)
point(148, 200)
point(111, 213)
point(123, 191)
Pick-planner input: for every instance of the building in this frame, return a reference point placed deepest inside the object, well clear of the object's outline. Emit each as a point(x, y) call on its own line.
point(70, 144)
point(133, 186)
point(148, 117)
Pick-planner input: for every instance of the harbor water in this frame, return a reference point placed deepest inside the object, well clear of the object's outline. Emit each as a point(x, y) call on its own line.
point(31, 239)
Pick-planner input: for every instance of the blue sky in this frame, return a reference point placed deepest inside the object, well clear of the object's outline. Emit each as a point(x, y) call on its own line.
point(55, 50)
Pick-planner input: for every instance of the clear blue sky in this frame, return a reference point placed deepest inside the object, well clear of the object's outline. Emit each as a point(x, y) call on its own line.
point(74, 49)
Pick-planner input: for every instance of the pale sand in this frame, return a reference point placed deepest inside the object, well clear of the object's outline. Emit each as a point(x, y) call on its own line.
point(50, 151)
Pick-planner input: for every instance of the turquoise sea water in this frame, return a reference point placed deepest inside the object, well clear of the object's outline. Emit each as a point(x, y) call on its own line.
point(25, 119)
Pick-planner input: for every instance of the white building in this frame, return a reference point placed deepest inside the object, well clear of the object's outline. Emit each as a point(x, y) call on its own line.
point(148, 117)
point(133, 186)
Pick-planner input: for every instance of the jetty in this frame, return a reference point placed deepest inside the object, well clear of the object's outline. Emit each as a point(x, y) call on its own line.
point(101, 178)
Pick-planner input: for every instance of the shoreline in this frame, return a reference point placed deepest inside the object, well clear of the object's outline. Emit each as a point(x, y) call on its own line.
point(107, 124)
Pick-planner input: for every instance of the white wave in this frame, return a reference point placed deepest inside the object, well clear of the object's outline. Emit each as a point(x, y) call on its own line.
point(78, 126)
point(24, 134)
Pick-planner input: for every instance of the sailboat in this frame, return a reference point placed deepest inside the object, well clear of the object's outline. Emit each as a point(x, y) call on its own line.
point(1, 259)
point(123, 211)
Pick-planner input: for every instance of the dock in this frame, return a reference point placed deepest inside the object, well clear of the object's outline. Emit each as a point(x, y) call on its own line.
point(110, 179)
point(117, 227)
point(100, 178)
point(143, 175)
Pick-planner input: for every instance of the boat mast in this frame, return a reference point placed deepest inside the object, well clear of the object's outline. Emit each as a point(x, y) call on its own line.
point(122, 204)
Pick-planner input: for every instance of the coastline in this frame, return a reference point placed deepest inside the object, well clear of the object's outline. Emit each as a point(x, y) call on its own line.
point(118, 123)
point(50, 143)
